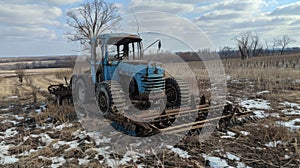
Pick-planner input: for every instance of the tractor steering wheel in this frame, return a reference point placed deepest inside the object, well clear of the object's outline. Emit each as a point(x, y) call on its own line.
point(117, 55)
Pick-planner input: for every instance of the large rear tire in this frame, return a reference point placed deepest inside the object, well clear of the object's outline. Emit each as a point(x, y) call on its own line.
point(81, 94)
point(110, 98)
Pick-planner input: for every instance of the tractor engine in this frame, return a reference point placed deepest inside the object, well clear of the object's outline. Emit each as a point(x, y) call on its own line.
point(144, 81)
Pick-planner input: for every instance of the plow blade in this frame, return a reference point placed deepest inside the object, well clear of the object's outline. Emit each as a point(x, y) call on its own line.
point(148, 123)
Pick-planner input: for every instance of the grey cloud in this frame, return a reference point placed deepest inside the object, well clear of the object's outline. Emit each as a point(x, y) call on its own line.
point(220, 15)
point(245, 5)
point(13, 14)
point(296, 22)
point(161, 5)
point(26, 33)
point(51, 2)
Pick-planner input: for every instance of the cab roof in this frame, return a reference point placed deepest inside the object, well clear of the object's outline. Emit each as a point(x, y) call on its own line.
point(119, 38)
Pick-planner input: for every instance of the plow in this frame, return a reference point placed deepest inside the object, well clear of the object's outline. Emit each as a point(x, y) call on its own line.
point(61, 91)
point(188, 119)
point(138, 96)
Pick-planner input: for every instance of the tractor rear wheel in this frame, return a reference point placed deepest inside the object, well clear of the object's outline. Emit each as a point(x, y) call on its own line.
point(81, 92)
point(177, 92)
point(110, 98)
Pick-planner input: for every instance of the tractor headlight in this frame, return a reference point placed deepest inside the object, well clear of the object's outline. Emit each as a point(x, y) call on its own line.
point(109, 62)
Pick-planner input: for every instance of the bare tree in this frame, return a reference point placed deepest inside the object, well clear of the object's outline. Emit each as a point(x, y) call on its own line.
point(226, 51)
point(248, 44)
point(91, 19)
point(20, 72)
point(254, 46)
point(243, 42)
point(284, 42)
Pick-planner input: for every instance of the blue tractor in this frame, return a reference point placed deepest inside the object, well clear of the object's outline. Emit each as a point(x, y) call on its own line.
point(123, 78)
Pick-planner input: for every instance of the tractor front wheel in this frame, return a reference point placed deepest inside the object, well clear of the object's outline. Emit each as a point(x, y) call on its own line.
point(110, 97)
point(177, 93)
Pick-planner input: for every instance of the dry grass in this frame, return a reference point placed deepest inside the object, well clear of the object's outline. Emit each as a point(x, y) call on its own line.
point(277, 74)
point(268, 73)
point(40, 78)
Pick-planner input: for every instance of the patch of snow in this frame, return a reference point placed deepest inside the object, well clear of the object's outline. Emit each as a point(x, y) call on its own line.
point(113, 162)
point(245, 133)
point(11, 132)
point(291, 111)
point(263, 114)
point(43, 106)
point(181, 153)
point(26, 153)
point(131, 155)
point(289, 104)
point(8, 160)
point(99, 139)
point(226, 137)
point(228, 77)
point(215, 162)
point(273, 144)
point(60, 127)
point(72, 144)
point(9, 121)
point(26, 108)
point(12, 97)
point(57, 162)
point(104, 151)
point(291, 108)
point(287, 157)
point(45, 126)
point(4, 157)
point(259, 104)
point(46, 139)
point(83, 161)
point(290, 124)
point(18, 117)
point(79, 134)
point(263, 92)
point(241, 165)
point(25, 138)
point(38, 110)
point(232, 156)
point(8, 108)
point(229, 133)
point(237, 159)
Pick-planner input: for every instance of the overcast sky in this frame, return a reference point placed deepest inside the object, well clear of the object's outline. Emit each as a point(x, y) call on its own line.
point(35, 28)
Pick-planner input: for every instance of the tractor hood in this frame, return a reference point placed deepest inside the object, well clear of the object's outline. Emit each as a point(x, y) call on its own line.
point(140, 67)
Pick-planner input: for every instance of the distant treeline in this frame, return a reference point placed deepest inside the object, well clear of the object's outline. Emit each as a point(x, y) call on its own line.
point(37, 62)
point(36, 58)
point(224, 54)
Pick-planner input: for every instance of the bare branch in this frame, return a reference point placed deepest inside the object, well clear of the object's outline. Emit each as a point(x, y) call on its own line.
point(283, 42)
point(91, 19)
point(248, 44)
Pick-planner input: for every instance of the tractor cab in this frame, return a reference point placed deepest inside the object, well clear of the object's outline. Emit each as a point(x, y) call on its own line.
point(109, 50)
point(118, 57)
point(119, 46)
point(127, 47)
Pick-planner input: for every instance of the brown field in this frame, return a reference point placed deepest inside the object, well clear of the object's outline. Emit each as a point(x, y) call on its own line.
point(42, 78)
point(269, 81)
